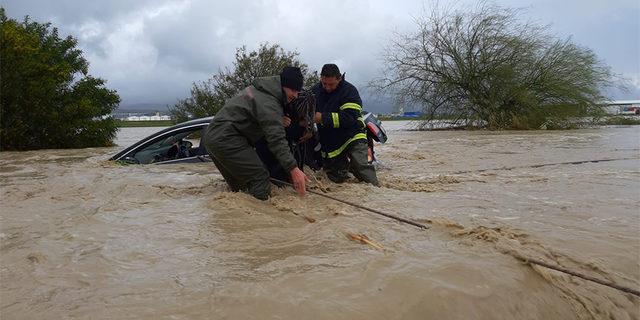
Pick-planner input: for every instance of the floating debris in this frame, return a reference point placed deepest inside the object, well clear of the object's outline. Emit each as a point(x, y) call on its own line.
point(364, 240)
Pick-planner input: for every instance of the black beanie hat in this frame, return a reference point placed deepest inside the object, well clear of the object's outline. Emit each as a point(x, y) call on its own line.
point(291, 77)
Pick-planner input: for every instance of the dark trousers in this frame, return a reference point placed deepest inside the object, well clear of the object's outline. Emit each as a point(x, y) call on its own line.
point(304, 154)
point(270, 162)
point(239, 164)
point(353, 159)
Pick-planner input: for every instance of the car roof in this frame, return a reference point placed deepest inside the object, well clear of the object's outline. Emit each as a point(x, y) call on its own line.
point(200, 122)
point(195, 121)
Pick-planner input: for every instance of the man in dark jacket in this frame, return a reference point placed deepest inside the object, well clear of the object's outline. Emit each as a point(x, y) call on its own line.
point(341, 128)
point(255, 113)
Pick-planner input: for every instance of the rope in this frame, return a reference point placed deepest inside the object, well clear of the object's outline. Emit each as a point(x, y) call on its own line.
point(304, 108)
point(521, 258)
point(579, 275)
point(543, 165)
point(388, 215)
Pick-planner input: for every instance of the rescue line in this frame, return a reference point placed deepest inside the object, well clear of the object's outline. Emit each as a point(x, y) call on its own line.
point(542, 165)
point(527, 260)
point(388, 215)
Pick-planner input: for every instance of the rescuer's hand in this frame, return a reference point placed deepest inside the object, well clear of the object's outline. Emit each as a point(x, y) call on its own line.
point(317, 118)
point(299, 179)
point(306, 136)
point(286, 121)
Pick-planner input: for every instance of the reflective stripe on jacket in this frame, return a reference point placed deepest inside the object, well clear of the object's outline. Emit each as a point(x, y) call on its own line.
point(342, 121)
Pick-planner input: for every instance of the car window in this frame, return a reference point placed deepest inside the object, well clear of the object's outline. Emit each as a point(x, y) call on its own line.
point(176, 145)
point(194, 138)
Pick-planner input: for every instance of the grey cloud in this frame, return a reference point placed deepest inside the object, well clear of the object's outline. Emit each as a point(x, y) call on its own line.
point(151, 51)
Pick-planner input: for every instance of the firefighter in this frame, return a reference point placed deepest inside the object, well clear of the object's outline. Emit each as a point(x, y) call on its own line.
point(341, 128)
point(253, 114)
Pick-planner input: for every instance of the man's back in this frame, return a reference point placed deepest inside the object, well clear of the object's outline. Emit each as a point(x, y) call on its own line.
point(260, 101)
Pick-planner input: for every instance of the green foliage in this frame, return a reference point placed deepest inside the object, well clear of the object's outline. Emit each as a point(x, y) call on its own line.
point(622, 120)
point(209, 96)
point(556, 117)
point(47, 98)
point(485, 67)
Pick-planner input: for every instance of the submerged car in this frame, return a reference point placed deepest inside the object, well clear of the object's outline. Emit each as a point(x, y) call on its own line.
point(183, 143)
point(176, 144)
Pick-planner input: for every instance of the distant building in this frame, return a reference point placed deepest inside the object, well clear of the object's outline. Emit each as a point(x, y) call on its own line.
point(622, 107)
point(412, 114)
point(141, 116)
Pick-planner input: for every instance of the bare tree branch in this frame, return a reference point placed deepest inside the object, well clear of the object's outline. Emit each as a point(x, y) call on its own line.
point(484, 64)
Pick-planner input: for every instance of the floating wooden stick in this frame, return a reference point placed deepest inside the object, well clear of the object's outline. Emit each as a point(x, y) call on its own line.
point(364, 240)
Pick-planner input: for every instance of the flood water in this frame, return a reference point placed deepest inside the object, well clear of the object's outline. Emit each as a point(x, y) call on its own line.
point(83, 238)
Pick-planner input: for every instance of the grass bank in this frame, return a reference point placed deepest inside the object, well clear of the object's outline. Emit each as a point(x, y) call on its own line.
point(621, 120)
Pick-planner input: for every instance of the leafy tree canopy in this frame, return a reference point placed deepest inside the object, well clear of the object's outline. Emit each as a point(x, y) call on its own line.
point(209, 96)
point(48, 100)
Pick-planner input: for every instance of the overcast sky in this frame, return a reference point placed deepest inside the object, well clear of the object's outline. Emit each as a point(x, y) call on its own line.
point(152, 51)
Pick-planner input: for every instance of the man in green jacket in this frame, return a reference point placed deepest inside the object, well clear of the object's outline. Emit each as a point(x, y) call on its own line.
point(254, 113)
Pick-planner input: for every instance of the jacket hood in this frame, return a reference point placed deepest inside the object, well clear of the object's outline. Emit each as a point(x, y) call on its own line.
point(270, 85)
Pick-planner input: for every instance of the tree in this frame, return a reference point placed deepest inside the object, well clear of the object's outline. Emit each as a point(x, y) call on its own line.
point(47, 98)
point(485, 66)
point(209, 96)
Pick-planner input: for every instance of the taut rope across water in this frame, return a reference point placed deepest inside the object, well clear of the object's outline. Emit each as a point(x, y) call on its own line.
point(542, 165)
point(527, 260)
point(388, 215)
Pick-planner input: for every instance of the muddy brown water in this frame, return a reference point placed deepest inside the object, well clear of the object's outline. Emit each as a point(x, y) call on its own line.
point(83, 238)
